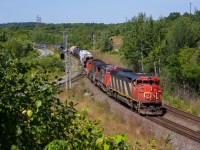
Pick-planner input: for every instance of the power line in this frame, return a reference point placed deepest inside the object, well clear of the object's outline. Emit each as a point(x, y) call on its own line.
point(39, 19)
point(94, 41)
point(67, 60)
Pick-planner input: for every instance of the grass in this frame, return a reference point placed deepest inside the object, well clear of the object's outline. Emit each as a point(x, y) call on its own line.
point(117, 42)
point(191, 107)
point(108, 58)
point(111, 123)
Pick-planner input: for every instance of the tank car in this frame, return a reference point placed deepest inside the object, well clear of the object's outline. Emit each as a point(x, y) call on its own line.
point(140, 91)
point(72, 48)
point(84, 56)
point(75, 50)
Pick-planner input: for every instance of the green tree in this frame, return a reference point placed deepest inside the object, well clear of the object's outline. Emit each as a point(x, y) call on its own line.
point(138, 40)
point(106, 43)
point(173, 16)
point(31, 116)
point(190, 67)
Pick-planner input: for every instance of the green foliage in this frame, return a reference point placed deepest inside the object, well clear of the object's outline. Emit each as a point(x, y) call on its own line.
point(106, 43)
point(173, 16)
point(170, 45)
point(138, 40)
point(151, 145)
point(103, 143)
point(49, 65)
point(31, 116)
point(58, 145)
point(19, 47)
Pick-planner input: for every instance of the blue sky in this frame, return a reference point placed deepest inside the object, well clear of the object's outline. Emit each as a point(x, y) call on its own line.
point(89, 11)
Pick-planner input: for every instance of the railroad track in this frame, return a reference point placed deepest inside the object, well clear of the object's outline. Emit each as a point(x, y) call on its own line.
point(81, 75)
point(182, 113)
point(195, 136)
point(184, 131)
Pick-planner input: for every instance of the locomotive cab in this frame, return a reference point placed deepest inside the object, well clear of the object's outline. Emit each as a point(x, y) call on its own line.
point(148, 93)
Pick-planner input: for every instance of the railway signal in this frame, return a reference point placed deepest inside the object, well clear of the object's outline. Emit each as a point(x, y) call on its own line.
point(65, 56)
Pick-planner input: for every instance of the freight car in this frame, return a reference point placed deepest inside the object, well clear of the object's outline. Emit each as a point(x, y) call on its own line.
point(140, 91)
point(75, 50)
point(84, 56)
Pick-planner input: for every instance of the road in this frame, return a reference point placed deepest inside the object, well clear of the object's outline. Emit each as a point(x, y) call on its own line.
point(45, 52)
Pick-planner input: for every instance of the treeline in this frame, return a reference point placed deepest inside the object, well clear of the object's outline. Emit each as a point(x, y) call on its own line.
point(31, 116)
point(87, 35)
point(169, 48)
point(16, 41)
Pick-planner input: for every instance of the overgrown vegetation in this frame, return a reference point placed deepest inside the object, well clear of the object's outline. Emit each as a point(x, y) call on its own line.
point(169, 48)
point(31, 117)
point(112, 124)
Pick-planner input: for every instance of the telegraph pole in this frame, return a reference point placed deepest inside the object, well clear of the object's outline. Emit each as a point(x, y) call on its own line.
point(68, 65)
point(142, 61)
point(190, 8)
point(142, 57)
point(39, 20)
point(94, 41)
point(67, 61)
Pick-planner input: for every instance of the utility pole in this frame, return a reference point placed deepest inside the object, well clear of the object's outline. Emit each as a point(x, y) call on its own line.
point(94, 41)
point(154, 65)
point(142, 57)
point(190, 8)
point(39, 20)
point(159, 61)
point(67, 61)
point(68, 66)
point(142, 61)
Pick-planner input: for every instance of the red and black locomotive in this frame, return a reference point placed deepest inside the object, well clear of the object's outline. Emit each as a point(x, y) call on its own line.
point(140, 91)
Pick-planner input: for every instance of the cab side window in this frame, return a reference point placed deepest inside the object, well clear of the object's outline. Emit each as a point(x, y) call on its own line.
point(139, 82)
point(157, 83)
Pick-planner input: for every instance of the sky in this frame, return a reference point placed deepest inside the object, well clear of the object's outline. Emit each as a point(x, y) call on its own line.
point(90, 11)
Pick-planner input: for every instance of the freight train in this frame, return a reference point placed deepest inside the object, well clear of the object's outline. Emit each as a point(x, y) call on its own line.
point(140, 91)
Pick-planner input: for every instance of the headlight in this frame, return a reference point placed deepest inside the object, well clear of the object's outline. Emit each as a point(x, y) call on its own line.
point(141, 90)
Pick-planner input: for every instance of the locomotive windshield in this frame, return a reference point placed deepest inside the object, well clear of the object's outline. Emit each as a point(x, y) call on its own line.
point(145, 82)
point(154, 82)
point(151, 82)
point(139, 81)
point(157, 82)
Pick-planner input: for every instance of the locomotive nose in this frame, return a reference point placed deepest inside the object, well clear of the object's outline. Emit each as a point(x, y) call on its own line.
point(150, 93)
